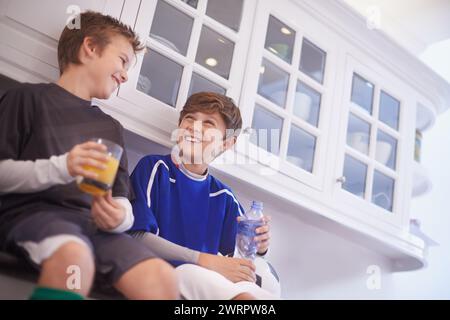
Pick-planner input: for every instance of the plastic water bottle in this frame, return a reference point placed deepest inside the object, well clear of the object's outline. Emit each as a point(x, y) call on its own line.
point(245, 243)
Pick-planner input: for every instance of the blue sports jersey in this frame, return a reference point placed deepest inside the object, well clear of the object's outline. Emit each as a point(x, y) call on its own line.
point(196, 213)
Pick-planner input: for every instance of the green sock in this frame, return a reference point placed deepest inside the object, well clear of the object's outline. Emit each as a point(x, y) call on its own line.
point(41, 293)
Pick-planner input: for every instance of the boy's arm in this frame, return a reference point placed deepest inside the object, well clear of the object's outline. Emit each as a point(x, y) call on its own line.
point(35, 176)
point(32, 176)
point(166, 249)
point(234, 269)
point(146, 185)
point(143, 191)
point(229, 229)
point(112, 214)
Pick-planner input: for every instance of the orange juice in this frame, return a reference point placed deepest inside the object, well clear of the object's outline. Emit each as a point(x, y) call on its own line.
point(105, 179)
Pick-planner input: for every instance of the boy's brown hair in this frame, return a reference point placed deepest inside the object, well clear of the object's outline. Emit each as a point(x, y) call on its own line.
point(97, 26)
point(210, 102)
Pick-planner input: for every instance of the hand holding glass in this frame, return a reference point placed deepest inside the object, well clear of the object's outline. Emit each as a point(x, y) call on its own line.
point(106, 177)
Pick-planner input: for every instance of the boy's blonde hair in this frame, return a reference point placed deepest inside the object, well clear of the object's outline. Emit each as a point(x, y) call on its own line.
point(97, 26)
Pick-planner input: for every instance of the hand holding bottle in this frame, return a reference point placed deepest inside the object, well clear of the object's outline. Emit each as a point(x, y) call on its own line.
point(253, 232)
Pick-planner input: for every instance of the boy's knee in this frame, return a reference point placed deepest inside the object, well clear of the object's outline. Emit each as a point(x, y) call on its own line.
point(150, 279)
point(70, 267)
point(73, 253)
point(166, 275)
point(164, 269)
point(192, 273)
point(190, 269)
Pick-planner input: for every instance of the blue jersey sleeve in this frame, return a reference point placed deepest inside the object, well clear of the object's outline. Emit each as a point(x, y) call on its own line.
point(144, 218)
point(229, 230)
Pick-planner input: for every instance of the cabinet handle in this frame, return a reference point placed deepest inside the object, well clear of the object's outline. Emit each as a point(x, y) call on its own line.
point(248, 130)
point(341, 179)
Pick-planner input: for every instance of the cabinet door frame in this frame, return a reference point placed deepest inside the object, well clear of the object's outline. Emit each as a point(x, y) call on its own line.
point(305, 27)
point(349, 203)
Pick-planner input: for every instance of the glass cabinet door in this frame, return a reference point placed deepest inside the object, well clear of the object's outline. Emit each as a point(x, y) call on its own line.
point(290, 90)
point(355, 173)
point(160, 78)
point(313, 60)
point(370, 169)
point(173, 27)
point(266, 129)
point(191, 46)
point(228, 13)
point(290, 96)
point(273, 83)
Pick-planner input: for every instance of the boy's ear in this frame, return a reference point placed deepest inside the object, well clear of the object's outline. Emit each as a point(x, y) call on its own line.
point(87, 49)
point(229, 143)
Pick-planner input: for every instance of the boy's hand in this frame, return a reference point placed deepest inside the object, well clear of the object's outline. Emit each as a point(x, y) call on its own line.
point(107, 213)
point(234, 269)
point(89, 153)
point(263, 235)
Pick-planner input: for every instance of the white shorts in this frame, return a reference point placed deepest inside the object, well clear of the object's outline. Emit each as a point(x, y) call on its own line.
point(198, 283)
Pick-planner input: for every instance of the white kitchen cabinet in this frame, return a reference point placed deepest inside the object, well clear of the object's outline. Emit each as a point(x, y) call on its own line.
point(373, 167)
point(344, 99)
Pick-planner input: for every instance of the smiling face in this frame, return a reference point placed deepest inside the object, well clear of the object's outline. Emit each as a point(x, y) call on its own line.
point(201, 137)
point(108, 69)
point(97, 53)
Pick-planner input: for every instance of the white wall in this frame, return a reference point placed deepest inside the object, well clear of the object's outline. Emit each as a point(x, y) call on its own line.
point(433, 211)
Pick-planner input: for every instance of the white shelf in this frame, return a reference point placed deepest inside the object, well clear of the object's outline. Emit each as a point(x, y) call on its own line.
point(414, 228)
point(421, 181)
point(406, 250)
point(425, 117)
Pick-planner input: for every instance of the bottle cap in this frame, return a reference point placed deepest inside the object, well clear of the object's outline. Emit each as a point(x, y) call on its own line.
point(257, 205)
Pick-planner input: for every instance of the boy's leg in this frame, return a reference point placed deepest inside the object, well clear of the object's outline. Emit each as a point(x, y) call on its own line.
point(149, 279)
point(244, 296)
point(57, 269)
point(59, 249)
point(132, 268)
point(198, 283)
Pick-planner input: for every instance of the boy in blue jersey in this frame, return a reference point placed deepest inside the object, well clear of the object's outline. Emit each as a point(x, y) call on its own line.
point(177, 199)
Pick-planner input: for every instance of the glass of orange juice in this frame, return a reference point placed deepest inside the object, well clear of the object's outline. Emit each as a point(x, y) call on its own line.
point(106, 177)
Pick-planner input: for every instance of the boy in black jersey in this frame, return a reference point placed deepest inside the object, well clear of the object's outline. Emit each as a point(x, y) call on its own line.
point(44, 144)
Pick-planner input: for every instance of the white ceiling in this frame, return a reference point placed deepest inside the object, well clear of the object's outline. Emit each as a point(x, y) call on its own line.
point(415, 24)
point(421, 26)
